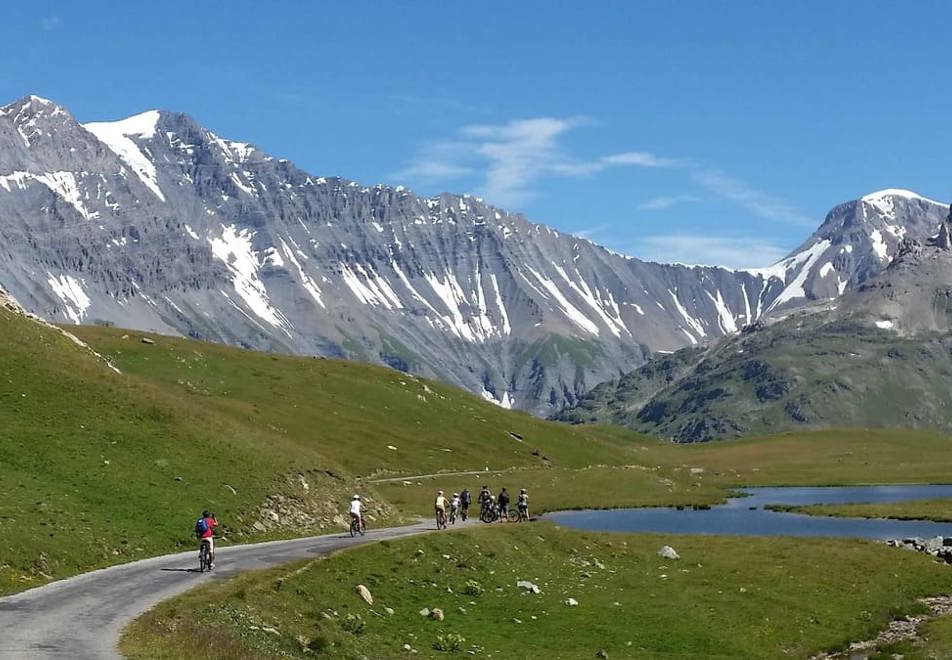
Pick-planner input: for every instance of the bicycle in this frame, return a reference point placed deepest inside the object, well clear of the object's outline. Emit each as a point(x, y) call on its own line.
point(440, 519)
point(488, 514)
point(452, 515)
point(357, 526)
point(205, 557)
point(522, 515)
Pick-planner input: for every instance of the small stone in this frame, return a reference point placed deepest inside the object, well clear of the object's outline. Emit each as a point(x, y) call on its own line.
point(365, 594)
point(571, 602)
point(147, 340)
point(407, 647)
point(388, 610)
point(425, 611)
point(601, 653)
point(437, 614)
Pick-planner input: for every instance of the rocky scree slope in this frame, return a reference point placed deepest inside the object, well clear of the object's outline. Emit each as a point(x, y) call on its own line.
point(156, 223)
point(879, 356)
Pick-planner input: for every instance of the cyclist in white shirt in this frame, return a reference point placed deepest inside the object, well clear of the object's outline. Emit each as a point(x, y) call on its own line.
point(355, 509)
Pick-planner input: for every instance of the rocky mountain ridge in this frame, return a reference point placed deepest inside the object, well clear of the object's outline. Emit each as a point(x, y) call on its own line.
point(156, 223)
point(878, 356)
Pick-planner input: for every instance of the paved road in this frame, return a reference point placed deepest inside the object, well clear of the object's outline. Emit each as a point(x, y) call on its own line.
point(83, 616)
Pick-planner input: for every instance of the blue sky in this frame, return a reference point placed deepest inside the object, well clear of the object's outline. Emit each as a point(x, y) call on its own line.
point(688, 131)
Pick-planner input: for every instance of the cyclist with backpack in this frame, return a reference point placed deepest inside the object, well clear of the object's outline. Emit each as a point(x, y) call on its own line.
point(484, 499)
point(503, 502)
point(205, 532)
point(464, 501)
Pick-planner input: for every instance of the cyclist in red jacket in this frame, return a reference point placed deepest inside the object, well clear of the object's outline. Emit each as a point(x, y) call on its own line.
point(205, 531)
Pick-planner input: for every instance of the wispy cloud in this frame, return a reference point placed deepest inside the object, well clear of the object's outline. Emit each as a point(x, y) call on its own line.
point(666, 202)
point(756, 201)
point(589, 233)
point(694, 249)
point(51, 23)
point(510, 158)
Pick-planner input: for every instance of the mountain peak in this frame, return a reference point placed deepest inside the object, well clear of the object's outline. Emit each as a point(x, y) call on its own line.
point(140, 125)
point(33, 105)
point(891, 193)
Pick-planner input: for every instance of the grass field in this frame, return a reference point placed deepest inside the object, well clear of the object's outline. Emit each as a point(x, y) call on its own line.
point(667, 474)
point(938, 510)
point(728, 598)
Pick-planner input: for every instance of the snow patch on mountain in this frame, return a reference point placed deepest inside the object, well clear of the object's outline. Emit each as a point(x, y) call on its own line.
point(117, 135)
point(71, 293)
point(795, 289)
point(234, 248)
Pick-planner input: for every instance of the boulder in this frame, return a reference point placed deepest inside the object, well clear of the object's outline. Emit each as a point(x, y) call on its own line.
point(528, 586)
point(365, 594)
point(667, 552)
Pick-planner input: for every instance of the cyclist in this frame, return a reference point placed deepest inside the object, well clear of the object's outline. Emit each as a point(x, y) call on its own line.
point(440, 505)
point(503, 503)
point(205, 531)
point(355, 516)
point(464, 500)
point(523, 505)
point(485, 498)
point(454, 507)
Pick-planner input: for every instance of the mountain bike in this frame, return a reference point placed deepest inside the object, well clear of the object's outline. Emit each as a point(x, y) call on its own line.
point(205, 557)
point(440, 519)
point(488, 513)
point(357, 526)
point(521, 516)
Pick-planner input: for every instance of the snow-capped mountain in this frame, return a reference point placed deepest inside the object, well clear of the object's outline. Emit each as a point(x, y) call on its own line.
point(158, 224)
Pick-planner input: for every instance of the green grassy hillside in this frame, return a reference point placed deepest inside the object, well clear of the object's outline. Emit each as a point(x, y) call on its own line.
point(98, 467)
point(799, 374)
point(725, 598)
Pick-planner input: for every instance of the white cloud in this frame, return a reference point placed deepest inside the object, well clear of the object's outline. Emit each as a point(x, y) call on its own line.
point(757, 202)
point(510, 158)
point(663, 203)
point(642, 158)
point(693, 249)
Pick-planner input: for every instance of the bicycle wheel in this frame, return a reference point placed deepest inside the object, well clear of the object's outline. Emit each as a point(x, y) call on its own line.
point(513, 516)
point(363, 527)
point(204, 558)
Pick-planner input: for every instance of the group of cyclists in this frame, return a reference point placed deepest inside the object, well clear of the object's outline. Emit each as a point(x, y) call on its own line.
point(491, 507)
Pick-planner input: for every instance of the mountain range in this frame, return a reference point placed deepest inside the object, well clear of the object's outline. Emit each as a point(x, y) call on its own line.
point(158, 224)
point(880, 355)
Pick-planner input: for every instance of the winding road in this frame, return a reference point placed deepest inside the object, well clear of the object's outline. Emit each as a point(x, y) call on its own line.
point(83, 616)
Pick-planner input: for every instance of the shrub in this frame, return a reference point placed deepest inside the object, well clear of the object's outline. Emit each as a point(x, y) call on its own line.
point(473, 588)
point(353, 623)
point(449, 642)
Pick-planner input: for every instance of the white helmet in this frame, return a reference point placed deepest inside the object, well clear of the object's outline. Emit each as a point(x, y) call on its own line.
point(356, 497)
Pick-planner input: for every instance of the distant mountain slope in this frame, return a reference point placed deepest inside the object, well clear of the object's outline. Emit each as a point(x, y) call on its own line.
point(156, 223)
point(878, 356)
